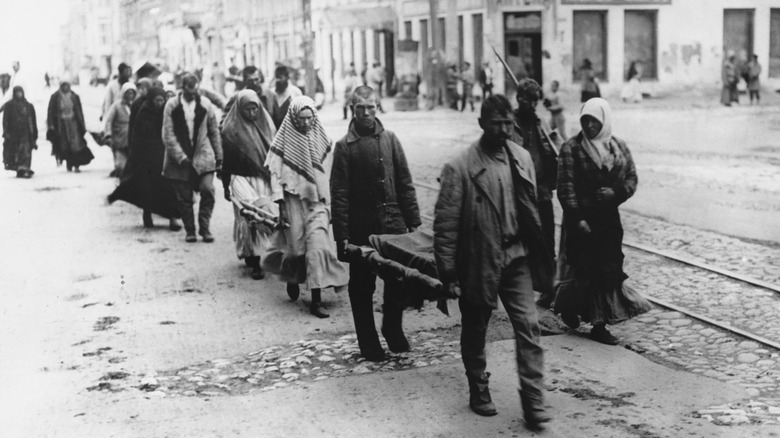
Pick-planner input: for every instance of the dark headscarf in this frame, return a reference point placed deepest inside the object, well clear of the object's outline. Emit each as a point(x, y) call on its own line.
point(247, 142)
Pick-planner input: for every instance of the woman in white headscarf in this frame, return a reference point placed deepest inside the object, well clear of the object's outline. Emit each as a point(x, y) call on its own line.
point(303, 253)
point(595, 175)
point(117, 122)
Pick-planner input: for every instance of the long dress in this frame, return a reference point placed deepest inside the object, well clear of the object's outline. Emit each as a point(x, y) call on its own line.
point(303, 253)
point(590, 277)
point(142, 182)
point(20, 132)
point(246, 143)
point(66, 129)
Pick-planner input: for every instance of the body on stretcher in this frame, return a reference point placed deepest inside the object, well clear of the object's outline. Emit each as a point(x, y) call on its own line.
point(258, 217)
point(407, 259)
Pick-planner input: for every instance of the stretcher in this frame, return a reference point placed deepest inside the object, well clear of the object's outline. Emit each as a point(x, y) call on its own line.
point(403, 258)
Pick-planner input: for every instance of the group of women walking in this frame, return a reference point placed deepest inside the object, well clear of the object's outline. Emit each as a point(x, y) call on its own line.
point(65, 130)
point(283, 174)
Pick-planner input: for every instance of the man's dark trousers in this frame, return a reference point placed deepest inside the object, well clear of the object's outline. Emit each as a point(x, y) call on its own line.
point(516, 293)
point(362, 284)
point(185, 199)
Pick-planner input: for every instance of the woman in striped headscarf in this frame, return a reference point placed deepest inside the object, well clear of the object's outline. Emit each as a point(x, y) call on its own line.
point(304, 252)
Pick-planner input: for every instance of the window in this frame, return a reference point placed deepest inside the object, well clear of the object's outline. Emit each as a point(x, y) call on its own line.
point(640, 44)
point(476, 30)
point(590, 41)
point(424, 42)
point(460, 40)
point(408, 30)
point(442, 33)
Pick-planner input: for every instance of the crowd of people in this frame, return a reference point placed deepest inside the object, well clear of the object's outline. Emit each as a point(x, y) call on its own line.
point(493, 230)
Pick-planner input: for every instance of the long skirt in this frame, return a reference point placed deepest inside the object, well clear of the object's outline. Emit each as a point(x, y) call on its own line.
point(73, 147)
point(305, 253)
point(17, 153)
point(597, 296)
point(250, 241)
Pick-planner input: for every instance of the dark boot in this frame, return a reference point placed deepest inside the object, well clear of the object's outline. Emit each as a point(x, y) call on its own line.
point(188, 218)
point(599, 333)
point(257, 271)
point(534, 413)
point(147, 217)
point(293, 291)
point(392, 329)
point(363, 315)
point(479, 396)
point(316, 304)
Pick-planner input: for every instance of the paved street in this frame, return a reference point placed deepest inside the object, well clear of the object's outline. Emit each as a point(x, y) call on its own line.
point(111, 329)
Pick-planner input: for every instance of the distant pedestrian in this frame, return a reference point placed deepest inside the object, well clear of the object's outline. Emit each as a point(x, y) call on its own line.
point(372, 194)
point(753, 72)
point(553, 104)
point(218, 78)
point(375, 77)
point(632, 91)
point(467, 78)
point(247, 134)
point(117, 122)
point(488, 245)
point(730, 78)
point(533, 134)
point(66, 129)
point(596, 174)
point(300, 186)
point(20, 133)
point(114, 88)
point(590, 88)
point(351, 82)
point(452, 86)
point(278, 99)
point(142, 183)
point(193, 154)
point(486, 80)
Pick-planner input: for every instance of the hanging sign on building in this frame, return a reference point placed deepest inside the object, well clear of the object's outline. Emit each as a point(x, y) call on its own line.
point(524, 22)
point(616, 2)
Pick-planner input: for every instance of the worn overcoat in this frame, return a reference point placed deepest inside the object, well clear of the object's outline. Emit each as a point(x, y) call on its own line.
point(468, 236)
point(203, 151)
point(371, 187)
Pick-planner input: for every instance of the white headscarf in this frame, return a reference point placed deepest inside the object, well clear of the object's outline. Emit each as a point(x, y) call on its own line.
point(602, 149)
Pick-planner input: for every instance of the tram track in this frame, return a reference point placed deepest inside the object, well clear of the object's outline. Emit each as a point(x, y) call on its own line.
point(690, 262)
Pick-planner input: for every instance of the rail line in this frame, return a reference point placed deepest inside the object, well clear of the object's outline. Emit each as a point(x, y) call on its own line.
point(691, 262)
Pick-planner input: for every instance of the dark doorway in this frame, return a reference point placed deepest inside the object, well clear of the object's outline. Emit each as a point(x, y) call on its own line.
point(774, 44)
point(738, 33)
point(476, 21)
point(641, 42)
point(590, 42)
point(523, 46)
point(389, 61)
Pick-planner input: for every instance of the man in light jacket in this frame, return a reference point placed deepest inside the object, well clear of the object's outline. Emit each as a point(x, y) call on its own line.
point(488, 244)
point(193, 154)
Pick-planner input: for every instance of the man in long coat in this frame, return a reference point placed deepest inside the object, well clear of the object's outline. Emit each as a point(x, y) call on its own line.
point(533, 134)
point(193, 149)
point(372, 193)
point(488, 244)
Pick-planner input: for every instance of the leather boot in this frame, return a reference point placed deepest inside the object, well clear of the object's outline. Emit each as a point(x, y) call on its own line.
point(534, 412)
point(479, 396)
point(392, 329)
point(316, 304)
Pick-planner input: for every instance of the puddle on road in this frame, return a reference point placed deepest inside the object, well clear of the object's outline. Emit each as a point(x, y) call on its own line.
point(87, 277)
point(105, 323)
point(76, 297)
point(97, 352)
point(49, 189)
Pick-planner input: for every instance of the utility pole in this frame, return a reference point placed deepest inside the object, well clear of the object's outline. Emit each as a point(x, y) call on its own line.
point(308, 50)
point(433, 55)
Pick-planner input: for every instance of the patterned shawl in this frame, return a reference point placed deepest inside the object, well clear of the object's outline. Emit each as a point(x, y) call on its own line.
point(602, 149)
point(295, 159)
point(247, 141)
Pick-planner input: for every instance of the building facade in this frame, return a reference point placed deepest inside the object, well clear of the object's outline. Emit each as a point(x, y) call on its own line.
point(677, 42)
point(89, 49)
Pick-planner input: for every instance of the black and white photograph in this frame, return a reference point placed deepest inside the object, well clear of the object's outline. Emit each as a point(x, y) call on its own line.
point(390, 218)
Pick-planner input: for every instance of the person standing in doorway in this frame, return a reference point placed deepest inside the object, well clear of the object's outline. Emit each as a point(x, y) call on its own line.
point(488, 245)
point(193, 154)
point(372, 193)
point(730, 79)
point(553, 104)
point(590, 88)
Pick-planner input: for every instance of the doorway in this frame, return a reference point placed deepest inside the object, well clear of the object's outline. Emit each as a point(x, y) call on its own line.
point(738, 33)
point(523, 46)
